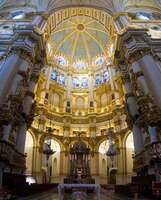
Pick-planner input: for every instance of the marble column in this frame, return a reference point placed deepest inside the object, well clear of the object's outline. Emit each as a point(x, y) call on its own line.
point(121, 161)
point(131, 102)
point(20, 69)
point(140, 77)
point(62, 155)
point(37, 164)
point(6, 131)
point(152, 74)
point(138, 138)
point(121, 165)
point(153, 134)
point(21, 74)
point(28, 100)
point(8, 71)
point(21, 137)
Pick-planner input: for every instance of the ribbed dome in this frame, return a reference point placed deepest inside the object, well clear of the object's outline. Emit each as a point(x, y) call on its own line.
point(80, 40)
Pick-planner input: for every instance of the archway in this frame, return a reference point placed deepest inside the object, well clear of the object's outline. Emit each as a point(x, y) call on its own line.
point(129, 153)
point(103, 161)
point(106, 166)
point(29, 152)
point(29, 143)
point(51, 165)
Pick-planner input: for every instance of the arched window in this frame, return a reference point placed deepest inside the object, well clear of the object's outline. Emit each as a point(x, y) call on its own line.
point(129, 153)
point(104, 147)
point(61, 61)
point(51, 166)
point(130, 141)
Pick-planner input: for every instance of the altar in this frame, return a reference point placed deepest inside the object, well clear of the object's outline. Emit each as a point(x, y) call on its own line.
point(80, 172)
point(78, 187)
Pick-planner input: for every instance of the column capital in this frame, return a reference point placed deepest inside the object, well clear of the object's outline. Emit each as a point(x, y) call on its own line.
point(134, 44)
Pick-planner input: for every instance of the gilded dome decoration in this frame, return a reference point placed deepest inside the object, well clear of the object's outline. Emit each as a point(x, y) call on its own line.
point(80, 39)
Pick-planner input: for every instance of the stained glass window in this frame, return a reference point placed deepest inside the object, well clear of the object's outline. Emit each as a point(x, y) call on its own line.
point(54, 75)
point(76, 82)
point(80, 82)
point(61, 61)
point(84, 82)
point(143, 16)
point(104, 147)
point(99, 61)
point(61, 79)
point(98, 79)
point(106, 76)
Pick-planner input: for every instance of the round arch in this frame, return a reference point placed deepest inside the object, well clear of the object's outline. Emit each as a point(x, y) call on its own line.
point(63, 14)
point(129, 150)
point(29, 144)
point(33, 136)
point(103, 147)
point(104, 138)
point(44, 136)
point(125, 137)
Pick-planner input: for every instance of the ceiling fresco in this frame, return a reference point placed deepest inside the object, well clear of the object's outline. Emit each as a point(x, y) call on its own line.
point(80, 39)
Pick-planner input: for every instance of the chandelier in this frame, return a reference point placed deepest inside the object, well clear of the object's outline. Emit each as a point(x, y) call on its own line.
point(48, 151)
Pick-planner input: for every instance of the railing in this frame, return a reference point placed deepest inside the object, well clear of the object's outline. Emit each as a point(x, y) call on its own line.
point(10, 156)
point(152, 152)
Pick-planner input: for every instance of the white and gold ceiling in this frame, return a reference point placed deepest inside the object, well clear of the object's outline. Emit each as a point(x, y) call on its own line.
point(81, 40)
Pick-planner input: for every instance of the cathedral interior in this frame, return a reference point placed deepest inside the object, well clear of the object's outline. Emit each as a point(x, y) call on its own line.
point(80, 99)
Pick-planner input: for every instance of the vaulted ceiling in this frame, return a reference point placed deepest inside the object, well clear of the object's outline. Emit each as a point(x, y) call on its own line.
point(80, 38)
point(112, 6)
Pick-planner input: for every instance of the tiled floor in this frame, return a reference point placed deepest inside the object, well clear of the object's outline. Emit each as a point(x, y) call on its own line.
point(53, 196)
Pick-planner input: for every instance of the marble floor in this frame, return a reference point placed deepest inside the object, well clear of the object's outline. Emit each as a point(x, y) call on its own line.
point(105, 195)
